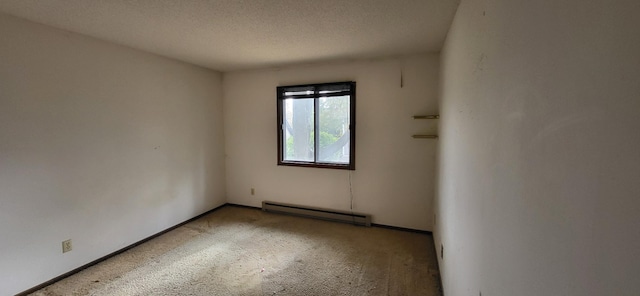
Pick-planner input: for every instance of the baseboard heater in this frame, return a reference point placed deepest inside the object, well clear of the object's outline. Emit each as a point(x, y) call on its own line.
point(318, 213)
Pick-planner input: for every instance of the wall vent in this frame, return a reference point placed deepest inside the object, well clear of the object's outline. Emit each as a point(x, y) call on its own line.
point(318, 213)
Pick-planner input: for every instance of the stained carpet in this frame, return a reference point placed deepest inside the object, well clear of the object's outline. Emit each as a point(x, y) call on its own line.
point(243, 251)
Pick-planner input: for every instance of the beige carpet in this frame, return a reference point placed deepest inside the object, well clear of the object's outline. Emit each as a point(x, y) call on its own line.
point(242, 251)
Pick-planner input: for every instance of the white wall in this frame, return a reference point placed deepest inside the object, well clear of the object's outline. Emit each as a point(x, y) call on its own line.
point(99, 143)
point(539, 190)
point(394, 173)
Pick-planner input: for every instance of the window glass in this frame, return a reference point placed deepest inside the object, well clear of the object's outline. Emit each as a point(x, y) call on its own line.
point(334, 129)
point(316, 125)
point(299, 140)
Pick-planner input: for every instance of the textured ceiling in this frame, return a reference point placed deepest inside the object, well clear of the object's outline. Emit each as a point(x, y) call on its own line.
point(229, 35)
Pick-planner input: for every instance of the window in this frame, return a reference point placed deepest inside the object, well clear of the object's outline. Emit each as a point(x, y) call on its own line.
point(316, 125)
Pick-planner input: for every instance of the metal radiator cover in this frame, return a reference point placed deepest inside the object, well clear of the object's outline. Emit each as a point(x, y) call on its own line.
point(318, 213)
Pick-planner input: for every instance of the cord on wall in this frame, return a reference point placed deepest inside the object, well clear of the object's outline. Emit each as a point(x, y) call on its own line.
point(350, 193)
point(351, 197)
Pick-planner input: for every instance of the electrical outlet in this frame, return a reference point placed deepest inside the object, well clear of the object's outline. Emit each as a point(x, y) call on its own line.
point(253, 191)
point(66, 246)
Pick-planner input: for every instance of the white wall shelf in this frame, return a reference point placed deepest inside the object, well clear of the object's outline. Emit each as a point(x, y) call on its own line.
point(425, 117)
point(424, 136)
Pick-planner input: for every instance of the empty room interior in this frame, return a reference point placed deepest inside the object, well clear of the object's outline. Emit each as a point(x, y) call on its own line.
point(497, 139)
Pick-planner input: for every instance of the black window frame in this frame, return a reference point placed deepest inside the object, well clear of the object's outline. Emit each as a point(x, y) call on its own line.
point(317, 87)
